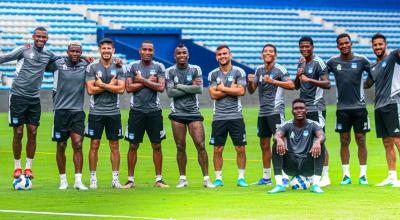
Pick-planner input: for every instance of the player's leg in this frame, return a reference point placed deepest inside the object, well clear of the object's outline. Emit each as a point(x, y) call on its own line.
point(77, 132)
point(94, 131)
point(33, 121)
point(179, 133)
point(219, 134)
point(60, 135)
point(61, 160)
point(278, 165)
point(343, 126)
point(113, 128)
point(314, 166)
point(237, 131)
point(196, 131)
point(17, 148)
point(361, 127)
point(264, 133)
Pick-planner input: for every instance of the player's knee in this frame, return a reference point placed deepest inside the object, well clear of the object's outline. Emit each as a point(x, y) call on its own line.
point(61, 146)
point(19, 133)
point(94, 146)
point(218, 150)
point(156, 147)
point(360, 138)
point(241, 150)
point(344, 141)
point(181, 148)
point(77, 146)
point(32, 131)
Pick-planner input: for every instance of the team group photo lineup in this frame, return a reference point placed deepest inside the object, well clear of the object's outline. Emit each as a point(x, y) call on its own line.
point(293, 152)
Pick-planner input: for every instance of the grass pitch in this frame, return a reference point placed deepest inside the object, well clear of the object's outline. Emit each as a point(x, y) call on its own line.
point(194, 202)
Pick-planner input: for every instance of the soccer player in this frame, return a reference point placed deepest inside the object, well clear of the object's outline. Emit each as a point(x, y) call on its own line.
point(385, 74)
point(271, 79)
point(25, 98)
point(298, 149)
point(311, 79)
point(104, 82)
point(184, 82)
point(227, 84)
point(145, 79)
point(69, 117)
point(351, 110)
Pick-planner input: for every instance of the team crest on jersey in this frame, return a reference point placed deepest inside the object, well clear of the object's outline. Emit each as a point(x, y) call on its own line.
point(339, 67)
point(65, 67)
point(230, 78)
point(339, 127)
point(58, 135)
point(15, 120)
point(113, 72)
point(305, 133)
point(292, 135)
point(189, 77)
point(131, 136)
point(176, 80)
point(152, 72)
point(384, 64)
point(99, 74)
point(309, 70)
point(354, 65)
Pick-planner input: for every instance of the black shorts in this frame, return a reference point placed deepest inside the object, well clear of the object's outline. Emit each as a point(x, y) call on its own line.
point(111, 123)
point(356, 118)
point(66, 121)
point(387, 121)
point(235, 128)
point(319, 117)
point(186, 119)
point(139, 122)
point(294, 165)
point(267, 125)
point(24, 110)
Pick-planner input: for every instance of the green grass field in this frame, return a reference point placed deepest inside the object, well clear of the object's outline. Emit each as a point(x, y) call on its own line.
point(194, 202)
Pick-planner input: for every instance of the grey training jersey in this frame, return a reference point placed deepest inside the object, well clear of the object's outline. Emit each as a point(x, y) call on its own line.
point(299, 140)
point(188, 104)
point(386, 76)
point(349, 80)
point(146, 99)
point(69, 84)
point(228, 107)
point(271, 97)
point(311, 94)
point(31, 64)
point(105, 103)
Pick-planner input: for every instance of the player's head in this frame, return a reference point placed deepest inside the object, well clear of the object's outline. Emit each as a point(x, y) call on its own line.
point(223, 55)
point(181, 54)
point(106, 48)
point(74, 51)
point(343, 42)
point(40, 37)
point(146, 51)
point(299, 109)
point(269, 53)
point(379, 44)
point(306, 46)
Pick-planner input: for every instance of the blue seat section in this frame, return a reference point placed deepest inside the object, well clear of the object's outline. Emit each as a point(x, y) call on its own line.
point(76, 26)
point(52, 20)
point(22, 13)
point(14, 7)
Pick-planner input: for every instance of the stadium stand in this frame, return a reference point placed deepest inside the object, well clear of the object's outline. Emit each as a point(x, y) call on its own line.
point(244, 29)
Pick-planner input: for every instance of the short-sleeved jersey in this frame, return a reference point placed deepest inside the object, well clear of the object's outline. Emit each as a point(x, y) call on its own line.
point(146, 99)
point(299, 141)
point(188, 104)
point(228, 107)
point(271, 97)
point(31, 64)
point(69, 84)
point(349, 80)
point(386, 76)
point(105, 103)
point(310, 93)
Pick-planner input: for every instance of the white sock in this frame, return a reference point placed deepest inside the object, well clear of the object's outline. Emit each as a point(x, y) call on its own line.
point(63, 177)
point(284, 175)
point(78, 177)
point(218, 175)
point(278, 180)
point(363, 170)
point(28, 164)
point(316, 179)
point(182, 177)
point(392, 174)
point(241, 173)
point(17, 164)
point(93, 176)
point(325, 170)
point(267, 173)
point(346, 170)
point(115, 175)
point(158, 178)
point(131, 178)
point(206, 178)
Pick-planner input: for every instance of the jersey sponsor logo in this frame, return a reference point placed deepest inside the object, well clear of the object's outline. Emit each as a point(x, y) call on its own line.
point(260, 79)
point(230, 78)
point(131, 136)
point(176, 80)
point(99, 73)
point(189, 77)
point(384, 64)
point(305, 133)
point(292, 135)
point(32, 55)
point(218, 80)
point(65, 67)
point(354, 65)
point(152, 72)
point(15, 120)
point(339, 126)
point(113, 72)
point(373, 69)
point(339, 67)
point(57, 135)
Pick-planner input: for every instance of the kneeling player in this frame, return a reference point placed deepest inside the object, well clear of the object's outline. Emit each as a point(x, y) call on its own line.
point(301, 155)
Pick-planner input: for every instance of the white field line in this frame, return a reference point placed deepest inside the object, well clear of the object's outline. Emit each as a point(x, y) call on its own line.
point(79, 214)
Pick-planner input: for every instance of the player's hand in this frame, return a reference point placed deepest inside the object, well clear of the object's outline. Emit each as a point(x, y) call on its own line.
point(280, 147)
point(197, 82)
point(138, 76)
point(89, 59)
point(118, 62)
point(98, 82)
point(251, 77)
point(302, 60)
point(27, 45)
point(300, 72)
point(268, 79)
point(304, 78)
point(221, 86)
point(113, 80)
point(316, 150)
point(153, 78)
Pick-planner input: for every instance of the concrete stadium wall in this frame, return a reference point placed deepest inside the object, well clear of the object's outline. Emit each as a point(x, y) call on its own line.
point(205, 101)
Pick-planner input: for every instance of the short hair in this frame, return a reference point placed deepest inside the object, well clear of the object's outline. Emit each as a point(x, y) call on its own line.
point(146, 42)
point(39, 29)
point(75, 43)
point(378, 36)
point(270, 45)
point(342, 35)
point(220, 47)
point(306, 39)
point(298, 101)
point(106, 41)
point(181, 45)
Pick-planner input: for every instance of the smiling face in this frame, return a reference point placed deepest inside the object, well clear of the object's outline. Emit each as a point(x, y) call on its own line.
point(224, 56)
point(181, 55)
point(146, 52)
point(268, 55)
point(106, 51)
point(40, 38)
point(299, 111)
point(306, 49)
point(344, 45)
point(74, 53)
point(379, 46)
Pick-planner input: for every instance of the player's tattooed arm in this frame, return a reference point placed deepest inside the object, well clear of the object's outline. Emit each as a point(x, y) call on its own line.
point(132, 86)
point(233, 90)
point(316, 148)
point(284, 84)
point(280, 143)
point(92, 89)
point(114, 86)
point(322, 83)
point(369, 82)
